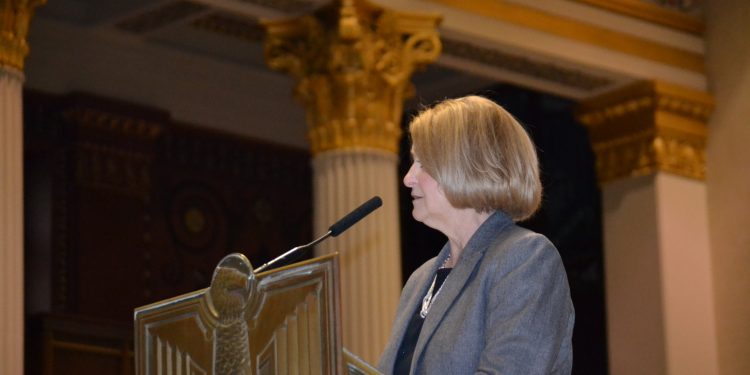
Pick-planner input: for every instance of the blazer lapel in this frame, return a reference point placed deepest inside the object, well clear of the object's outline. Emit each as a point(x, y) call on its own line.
point(457, 279)
point(413, 301)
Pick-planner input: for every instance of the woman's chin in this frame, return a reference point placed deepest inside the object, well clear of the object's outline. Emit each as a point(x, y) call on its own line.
point(417, 215)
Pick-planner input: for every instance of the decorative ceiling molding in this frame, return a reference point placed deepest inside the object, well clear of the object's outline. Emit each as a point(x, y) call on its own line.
point(583, 82)
point(286, 6)
point(497, 59)
point(690, 104)
point(683, 16)
point(513, 43)
point(546, 75)
point(237, 27)
point(581, 32)
point(160, 17)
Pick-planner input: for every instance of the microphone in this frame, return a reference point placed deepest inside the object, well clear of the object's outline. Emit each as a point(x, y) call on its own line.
point(334, 230)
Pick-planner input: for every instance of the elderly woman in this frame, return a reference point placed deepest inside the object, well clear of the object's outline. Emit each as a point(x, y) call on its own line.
point(495, 300)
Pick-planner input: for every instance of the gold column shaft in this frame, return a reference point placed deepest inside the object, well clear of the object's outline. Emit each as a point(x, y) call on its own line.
point(352, 62)
point(647, 127)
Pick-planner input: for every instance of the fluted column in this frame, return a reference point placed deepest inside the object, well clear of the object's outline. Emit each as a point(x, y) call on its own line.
point(14, 22)
point(650, 145)
point(370, 257)
point(352, 62)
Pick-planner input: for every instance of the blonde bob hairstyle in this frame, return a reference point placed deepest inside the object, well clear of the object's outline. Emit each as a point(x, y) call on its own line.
point(480, 156)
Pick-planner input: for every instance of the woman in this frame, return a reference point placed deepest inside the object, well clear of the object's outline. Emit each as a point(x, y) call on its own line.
point(495, 300)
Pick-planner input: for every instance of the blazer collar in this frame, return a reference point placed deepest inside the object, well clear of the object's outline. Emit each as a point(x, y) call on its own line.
point(459, 276)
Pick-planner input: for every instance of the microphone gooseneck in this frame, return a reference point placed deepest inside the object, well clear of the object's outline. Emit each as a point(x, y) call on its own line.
point(334, 230)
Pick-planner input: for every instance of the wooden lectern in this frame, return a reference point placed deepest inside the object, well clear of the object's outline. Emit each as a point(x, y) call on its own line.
point(284, 321)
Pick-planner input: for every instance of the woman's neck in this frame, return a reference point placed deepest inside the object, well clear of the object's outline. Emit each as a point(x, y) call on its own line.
point(466, 224)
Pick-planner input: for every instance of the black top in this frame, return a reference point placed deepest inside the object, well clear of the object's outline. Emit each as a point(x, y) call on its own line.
point(406, 350)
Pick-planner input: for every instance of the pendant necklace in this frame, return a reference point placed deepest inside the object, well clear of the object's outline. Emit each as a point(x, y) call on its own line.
point(429, 298)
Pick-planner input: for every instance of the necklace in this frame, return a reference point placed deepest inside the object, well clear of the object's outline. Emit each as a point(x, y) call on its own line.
point(446, 261)
point(429, 298)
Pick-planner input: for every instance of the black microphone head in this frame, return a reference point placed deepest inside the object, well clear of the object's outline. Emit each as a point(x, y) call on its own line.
point(355, 216)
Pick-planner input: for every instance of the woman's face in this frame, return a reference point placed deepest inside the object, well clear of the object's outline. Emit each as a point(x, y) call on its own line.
point(431, 207)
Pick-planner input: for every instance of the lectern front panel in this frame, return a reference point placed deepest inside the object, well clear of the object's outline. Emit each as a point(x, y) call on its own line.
point(278, 322)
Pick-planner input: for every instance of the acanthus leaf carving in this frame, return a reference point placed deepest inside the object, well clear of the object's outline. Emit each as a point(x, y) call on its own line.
point(648, 127)
point(352, 62)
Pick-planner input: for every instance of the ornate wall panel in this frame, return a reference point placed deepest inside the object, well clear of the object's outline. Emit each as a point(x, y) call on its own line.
point(132, 207)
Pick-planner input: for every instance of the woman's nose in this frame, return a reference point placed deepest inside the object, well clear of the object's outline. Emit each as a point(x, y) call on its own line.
point(409, 177)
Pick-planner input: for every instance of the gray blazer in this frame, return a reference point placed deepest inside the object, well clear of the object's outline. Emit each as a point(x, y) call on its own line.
point(505, 308)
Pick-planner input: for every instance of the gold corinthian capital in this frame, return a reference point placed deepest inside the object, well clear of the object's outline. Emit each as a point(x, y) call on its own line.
point(352, 61)
point(647, 127)
point(14, 26)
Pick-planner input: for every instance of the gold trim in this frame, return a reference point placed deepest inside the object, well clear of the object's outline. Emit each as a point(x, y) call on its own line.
point(647, 127)
point(589, 34)
point(114, 123)
point(651, 13)
point(352, 61)
point(14, 26)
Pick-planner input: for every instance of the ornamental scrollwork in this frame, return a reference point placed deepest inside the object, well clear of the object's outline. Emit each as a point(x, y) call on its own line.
point(648, 127)
point(15, 17)
point(352, 62)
